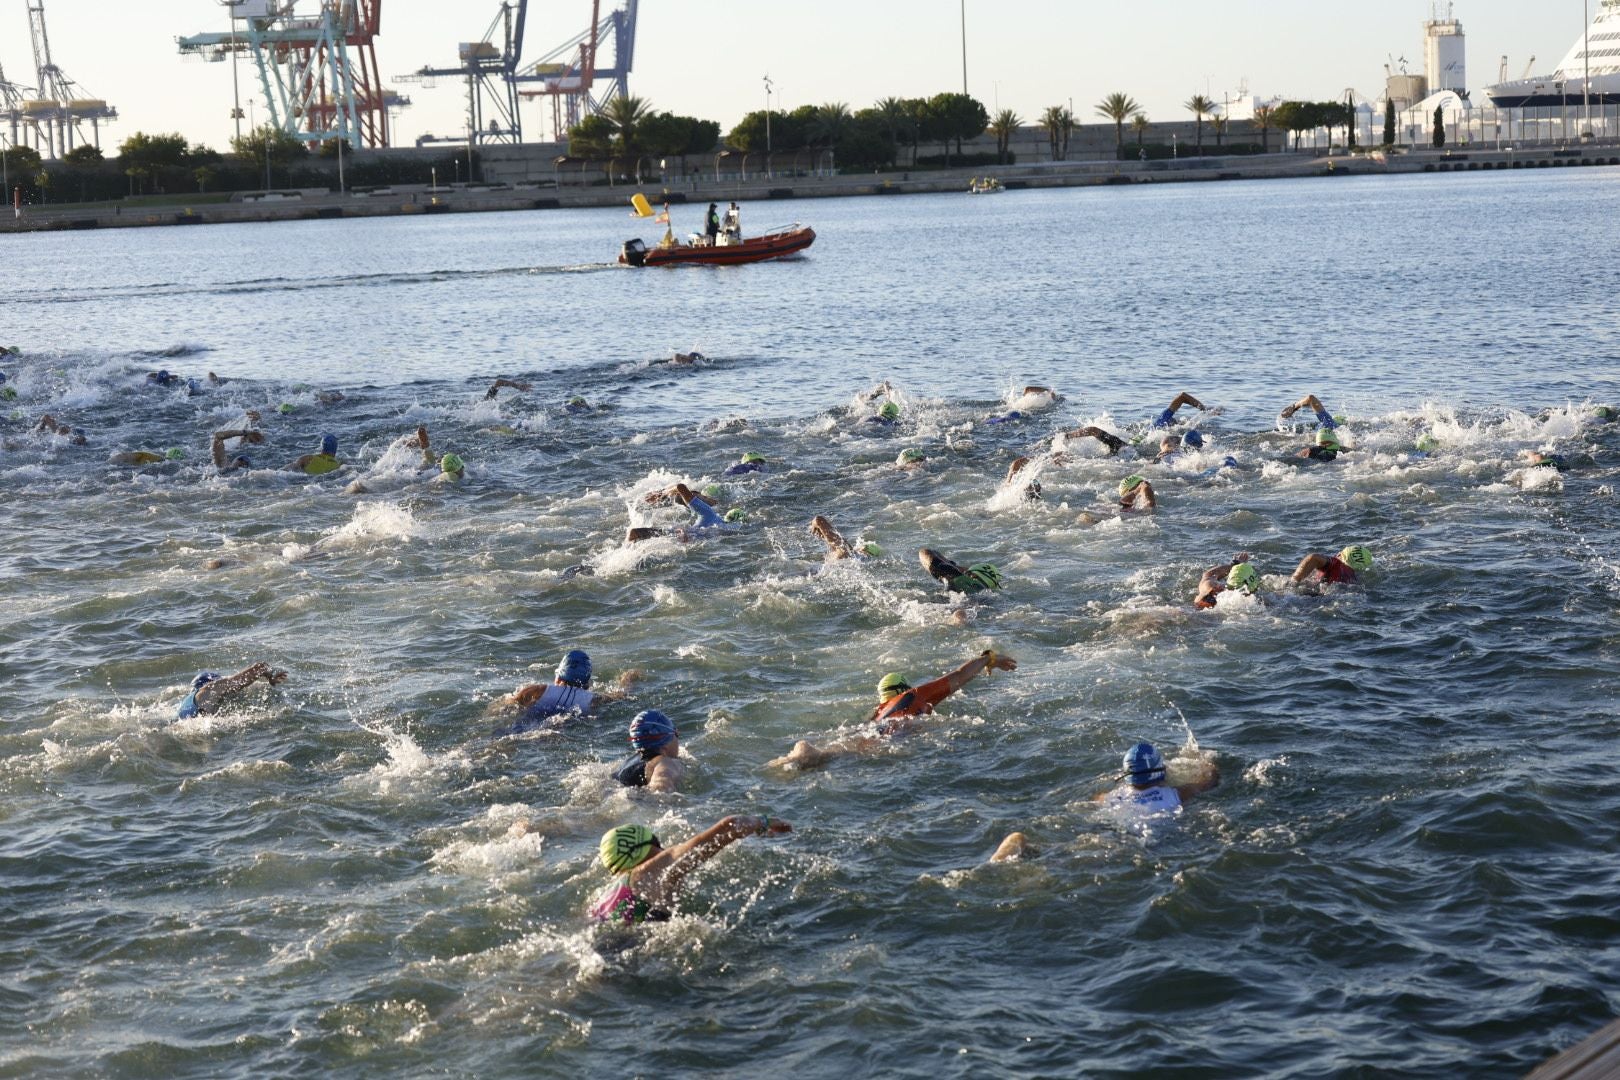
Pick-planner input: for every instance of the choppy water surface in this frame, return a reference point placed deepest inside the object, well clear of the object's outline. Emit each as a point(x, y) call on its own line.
point(1408, 869)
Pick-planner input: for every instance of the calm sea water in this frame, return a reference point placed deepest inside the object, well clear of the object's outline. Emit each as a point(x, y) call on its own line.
point(1409, 867)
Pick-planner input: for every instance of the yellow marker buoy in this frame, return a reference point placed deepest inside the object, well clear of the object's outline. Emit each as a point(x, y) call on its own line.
point(642, 206)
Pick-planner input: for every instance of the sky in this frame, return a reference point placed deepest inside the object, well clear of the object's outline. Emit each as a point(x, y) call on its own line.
point(709, 58)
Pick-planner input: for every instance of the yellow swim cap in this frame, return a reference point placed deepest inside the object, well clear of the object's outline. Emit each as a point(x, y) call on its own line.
point(625, 848)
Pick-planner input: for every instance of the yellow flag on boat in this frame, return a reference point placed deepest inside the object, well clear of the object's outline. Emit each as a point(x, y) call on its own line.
point(642, 207)
point(662, 218)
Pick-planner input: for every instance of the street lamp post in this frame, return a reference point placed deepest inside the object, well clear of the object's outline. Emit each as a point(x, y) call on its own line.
point(768, 127)
point(964, 48)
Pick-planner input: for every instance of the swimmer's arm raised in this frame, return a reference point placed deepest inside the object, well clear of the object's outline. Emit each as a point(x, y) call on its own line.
point(218, 447)
point(688, 856)
point(1091, 431)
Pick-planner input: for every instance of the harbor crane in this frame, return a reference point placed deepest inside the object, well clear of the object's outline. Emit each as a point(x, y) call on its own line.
point(573, 75)
point(55, 116)
point(488, 68)
point(317, 71)
point(12, 97)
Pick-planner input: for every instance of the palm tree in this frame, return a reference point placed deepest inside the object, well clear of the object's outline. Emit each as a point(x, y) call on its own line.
point(1200, 106)
point(1218, 122)
point(829, 123)
point(1118, 108)
point(1052, 121)
point(1262, 120)
point(894, 116)
point(1139, 124)
point(1003, 127)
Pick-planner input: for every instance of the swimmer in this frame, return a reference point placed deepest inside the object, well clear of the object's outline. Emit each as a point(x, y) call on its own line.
point(227, 464)
point(162, 378)
point(495, 387)
point(452, 470)
point(418, 440)
point(1032, 488)
point(707, 517)
point(1168, 416)
point(837, 546)
point(1013, 848)
point(899, 704)
point(956, 577)
point(1238, 574)
point(1544, 459)
point(146, 457)
point(1311, 402)
point(1340, 569)
point(748, 463)
point(577, 404)
point(1172, 446)
point(1136, 495)
point(1113, 442)
point(211, 691)
point(1147, 790)
point(649, 875)
point(320, 463)
point(7, 393)
point(670, 495)
point(1327, 446)
point(684, 358)
point(657, 764)
point(568, 692)
point(910, 459)
point(888, 414)
point(50, 425)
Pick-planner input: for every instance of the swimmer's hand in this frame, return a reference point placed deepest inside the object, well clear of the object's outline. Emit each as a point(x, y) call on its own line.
point(761, 826)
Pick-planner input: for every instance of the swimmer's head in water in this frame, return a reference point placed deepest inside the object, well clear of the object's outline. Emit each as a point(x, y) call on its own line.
point(1426, 442)
point(892, 685)
point(1169, 444)
point(577, 402)
point(575, 669)
point(910, 456)
point(751, 458)
point(242, 462)
point(712, 491)
point(735, 514)
point(1356, 557)
point(890, 411)
point(175, 453)
point(1244, 578)
point(1327, 440)
point(203, 679)
point(1131, 483)
point(1193, 439)
point(451, 463)
point(1606, 413)
point(651, 729)
point(1143, 765)
point(627, 847)
point(329, 444)
point(872, 550)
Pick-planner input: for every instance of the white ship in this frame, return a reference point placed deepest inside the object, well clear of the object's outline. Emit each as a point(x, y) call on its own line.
point(1593, 65)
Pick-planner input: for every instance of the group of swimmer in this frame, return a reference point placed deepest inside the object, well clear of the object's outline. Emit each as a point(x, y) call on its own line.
point(647, 875)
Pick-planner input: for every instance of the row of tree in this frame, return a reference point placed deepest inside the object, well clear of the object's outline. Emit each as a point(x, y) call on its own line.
point(168, 164)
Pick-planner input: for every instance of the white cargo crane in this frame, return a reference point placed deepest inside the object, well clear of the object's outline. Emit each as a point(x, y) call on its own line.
point(487, 65)
point(12, 97)
point(63, 105)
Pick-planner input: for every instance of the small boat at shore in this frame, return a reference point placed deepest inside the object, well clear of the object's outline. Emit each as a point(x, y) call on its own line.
point(723, 252)
point(989, 185)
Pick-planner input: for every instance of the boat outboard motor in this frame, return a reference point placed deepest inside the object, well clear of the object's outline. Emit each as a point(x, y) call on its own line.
point(633, 253)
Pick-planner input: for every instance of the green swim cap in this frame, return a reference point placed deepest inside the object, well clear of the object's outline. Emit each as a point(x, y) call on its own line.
point(712, 491)
point(892, 685)
point(984, 575)
point(1327, 440)
point(451, 463)
point(1427, 442)
point(175, 453)
point(625, 848)
point(890, 411)
point(752, 458)
point(911, 455)
point(577, 400)
point(1339, 419)
point(1127, 485)
point(8, 393)
point(1244, 578)
point(871, 549)
point(736, 514)
point(284, 407)
point(1356, 557)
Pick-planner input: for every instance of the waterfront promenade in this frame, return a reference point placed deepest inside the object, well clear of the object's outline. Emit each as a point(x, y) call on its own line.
point(315, 203)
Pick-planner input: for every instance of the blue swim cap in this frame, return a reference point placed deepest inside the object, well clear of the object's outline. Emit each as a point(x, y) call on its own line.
point(1230, 462)
point(163, 376)
point(203, 679)
point(2, 378)
point(1143, 764)
point(329, 444)
point(243, 461)
point(1193, 439)
point(651, 729)
point(575, 669)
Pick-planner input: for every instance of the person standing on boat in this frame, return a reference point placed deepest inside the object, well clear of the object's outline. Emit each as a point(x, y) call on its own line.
point(711, 226)
point(732, 228)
